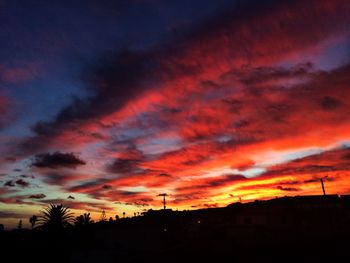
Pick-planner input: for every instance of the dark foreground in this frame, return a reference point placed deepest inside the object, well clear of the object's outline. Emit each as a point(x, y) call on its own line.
point(299, 229)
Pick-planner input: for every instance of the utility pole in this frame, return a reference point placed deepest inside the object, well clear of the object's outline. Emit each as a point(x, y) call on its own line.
point(164, 195)
point(322, 184)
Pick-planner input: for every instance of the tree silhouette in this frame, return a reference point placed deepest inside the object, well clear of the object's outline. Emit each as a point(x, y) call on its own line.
point(103, 216)
point(55, 217)
point(32, 220)
point(20, 224)
point(83, 220)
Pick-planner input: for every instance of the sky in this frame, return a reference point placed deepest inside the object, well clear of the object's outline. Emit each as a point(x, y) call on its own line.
point(106, 104)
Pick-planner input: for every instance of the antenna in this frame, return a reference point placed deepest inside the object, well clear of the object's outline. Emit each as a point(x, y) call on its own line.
point(164, 195)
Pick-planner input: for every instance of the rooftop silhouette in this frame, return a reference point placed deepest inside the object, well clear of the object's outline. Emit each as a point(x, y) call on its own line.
point(296, 225)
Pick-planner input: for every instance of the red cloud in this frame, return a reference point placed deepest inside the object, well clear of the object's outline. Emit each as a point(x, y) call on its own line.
point(210, 101)
point(258, 37)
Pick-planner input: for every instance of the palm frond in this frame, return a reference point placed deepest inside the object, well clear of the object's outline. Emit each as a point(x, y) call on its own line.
point(55, 217)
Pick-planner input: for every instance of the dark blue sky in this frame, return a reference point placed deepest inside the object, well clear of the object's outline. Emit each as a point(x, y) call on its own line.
point(52, 42)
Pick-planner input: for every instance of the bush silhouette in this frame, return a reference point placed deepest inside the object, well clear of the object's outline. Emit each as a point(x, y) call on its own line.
point(32, 220)
point(83, 220)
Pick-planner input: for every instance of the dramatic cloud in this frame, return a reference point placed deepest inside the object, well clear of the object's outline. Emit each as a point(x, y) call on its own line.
point(242, 36)
point(249, 102)
point(22, 183)
point(57, 160)
point(61, 178)
point(37, 196)
point(19, 182)
point(328, 161)
point(123, 166)
point(10, 183)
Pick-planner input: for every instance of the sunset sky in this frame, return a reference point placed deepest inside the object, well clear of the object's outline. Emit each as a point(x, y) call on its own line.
point(106, 104)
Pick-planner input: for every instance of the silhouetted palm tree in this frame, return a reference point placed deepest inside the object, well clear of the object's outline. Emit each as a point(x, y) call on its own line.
point(83, 220)
point(55, 217)
point(32, 220)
